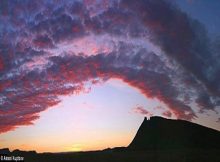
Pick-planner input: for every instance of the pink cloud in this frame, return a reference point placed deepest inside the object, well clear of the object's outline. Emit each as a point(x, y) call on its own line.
point(140, 110)
point(39, 41)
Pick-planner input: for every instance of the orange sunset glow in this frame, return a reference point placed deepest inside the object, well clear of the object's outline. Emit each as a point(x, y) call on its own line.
point(82, 75)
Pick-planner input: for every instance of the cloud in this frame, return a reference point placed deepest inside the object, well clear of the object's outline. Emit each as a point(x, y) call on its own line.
point(43, 42)
point(140, 110)
point(166, 55)
point(182, 38)
point(167, 114)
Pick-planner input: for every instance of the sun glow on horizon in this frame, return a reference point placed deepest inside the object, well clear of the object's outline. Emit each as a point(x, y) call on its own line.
point(81, 75)
point(70, 125)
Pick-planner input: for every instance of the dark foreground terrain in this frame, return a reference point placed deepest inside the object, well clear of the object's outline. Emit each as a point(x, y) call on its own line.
point(157, 140)
point(128, 156)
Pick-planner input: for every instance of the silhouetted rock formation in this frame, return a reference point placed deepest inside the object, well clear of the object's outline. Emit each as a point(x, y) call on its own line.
point(20, 152)
point(115, 149)
point(5, 151)
point(161, 133)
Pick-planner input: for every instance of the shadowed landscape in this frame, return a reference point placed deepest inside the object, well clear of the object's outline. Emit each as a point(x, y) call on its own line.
point(157, 140)
point(110, 80)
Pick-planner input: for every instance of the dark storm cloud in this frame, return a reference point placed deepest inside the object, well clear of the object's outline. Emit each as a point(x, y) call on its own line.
point(32, 76)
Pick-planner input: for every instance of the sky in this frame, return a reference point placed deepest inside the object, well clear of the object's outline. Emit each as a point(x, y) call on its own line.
point(82, 75)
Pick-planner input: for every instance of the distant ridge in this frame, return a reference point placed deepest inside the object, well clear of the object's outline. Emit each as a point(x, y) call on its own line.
point(157, 140)
point(6, 151)
point(161, 133)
